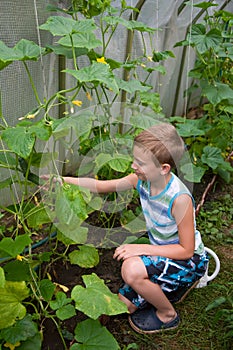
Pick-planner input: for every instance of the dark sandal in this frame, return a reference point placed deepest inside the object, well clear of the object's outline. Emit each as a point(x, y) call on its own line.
point(145, 321)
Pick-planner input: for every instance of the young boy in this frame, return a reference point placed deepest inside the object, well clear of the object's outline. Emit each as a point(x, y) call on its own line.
point(175, 258)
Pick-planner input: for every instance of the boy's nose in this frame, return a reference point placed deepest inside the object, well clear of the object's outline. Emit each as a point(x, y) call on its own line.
point(133, 166)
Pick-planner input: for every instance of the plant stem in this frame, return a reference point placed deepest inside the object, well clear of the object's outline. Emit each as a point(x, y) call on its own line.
point(60, 333)
point(32, 83)
point(73, 52)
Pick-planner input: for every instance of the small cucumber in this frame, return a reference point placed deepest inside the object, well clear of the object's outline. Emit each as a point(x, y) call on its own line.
point(34, 178)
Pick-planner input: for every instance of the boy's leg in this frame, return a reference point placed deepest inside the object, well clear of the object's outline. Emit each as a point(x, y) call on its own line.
point(134, 273)
point(131, 307)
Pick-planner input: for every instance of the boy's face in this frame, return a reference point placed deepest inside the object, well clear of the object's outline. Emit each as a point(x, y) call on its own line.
point(144, 166)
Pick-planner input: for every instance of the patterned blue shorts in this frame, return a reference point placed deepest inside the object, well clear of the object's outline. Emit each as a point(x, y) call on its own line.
point(170, 274)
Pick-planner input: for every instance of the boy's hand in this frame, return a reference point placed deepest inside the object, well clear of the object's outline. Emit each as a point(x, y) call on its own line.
point(127, 251)
point(50, 180)
point(55, 179)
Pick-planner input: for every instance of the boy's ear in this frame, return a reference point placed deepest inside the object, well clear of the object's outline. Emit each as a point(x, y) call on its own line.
point(165, 169)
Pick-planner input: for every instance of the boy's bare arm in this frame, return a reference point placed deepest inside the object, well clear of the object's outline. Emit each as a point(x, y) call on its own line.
point(104, 186)
point(101, 186)
point(183, 213)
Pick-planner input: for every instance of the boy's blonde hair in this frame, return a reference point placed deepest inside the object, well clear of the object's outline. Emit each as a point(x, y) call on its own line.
point(163, 141)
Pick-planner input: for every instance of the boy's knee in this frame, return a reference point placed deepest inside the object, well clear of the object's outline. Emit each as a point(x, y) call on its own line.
point(132, 269)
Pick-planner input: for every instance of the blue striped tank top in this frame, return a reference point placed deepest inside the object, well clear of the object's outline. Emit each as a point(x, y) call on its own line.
point(161, 225)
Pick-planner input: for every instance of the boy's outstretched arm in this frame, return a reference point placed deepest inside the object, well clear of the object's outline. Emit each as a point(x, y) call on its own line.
point(101, 186)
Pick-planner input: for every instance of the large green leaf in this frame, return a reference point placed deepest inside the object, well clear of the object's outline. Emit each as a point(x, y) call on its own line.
point(10, 302)
point(7, 160)
point(97, 72)
point(65, 312)
point(81, 40)
point(91, 335)
point(225, 175)
point(203, 40)
point(203, 5)
point(144, 121)
point(46, 288)
point(118, 162)
point(212, 156)
point(82, 124)
point(74, 235)
point(151, 99)
point(15, 247)
point(16, 270)
point(39, 216)
point(133, 223)
point(32, 343)
point(23, 50)
point(193, 173)
point(96, 299)
point(193, 127)
point(84, 26)
point(217, 92)
point(162, 55)
point(140, 26)
point(19, 140)
point(70, 203)
point(60, 300)
point(28, 50)
point(59, 26)
point(101, 160)
point(67, 51)
point(131, 25)
point(20, 331)
point(131, 86)
point(7, 55)
point(41, 130)
point(86, 256)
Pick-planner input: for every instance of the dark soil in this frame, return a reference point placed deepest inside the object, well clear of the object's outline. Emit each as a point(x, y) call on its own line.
point(69, 275)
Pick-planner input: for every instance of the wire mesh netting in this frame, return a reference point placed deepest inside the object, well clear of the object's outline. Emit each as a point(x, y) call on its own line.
point(172, 20)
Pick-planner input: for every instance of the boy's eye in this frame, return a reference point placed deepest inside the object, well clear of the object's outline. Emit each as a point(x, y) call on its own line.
point(139, 163)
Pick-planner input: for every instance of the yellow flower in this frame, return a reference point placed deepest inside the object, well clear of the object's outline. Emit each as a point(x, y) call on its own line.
point(36, 201)
point(30, 116)
point(12, 346)
point(101, 60)
point(19, 257)
point(149, 58)
point(62, 287)
point(89, 96)
point(77, 103)
point(143, 65)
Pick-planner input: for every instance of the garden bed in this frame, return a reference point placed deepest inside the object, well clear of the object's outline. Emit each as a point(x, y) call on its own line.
point(198, 328)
